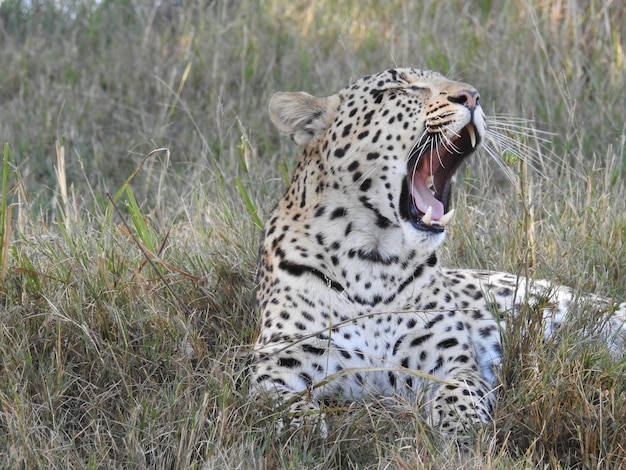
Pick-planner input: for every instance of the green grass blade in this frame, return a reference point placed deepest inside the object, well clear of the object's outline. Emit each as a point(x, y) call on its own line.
point(139, 222)
point(5, 216)
point(249, 204)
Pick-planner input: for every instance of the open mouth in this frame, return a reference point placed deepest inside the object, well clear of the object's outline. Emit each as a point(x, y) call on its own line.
point(427, 190)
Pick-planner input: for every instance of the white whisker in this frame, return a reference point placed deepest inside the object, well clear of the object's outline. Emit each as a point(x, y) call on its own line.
point(517, 137)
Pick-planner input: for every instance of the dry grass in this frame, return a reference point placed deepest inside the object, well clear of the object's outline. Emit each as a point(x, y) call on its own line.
point(109, 361)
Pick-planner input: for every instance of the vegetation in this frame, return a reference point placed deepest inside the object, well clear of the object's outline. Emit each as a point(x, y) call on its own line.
point(139, 163)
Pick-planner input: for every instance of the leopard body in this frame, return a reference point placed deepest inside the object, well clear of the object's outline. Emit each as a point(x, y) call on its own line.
point(352, 298)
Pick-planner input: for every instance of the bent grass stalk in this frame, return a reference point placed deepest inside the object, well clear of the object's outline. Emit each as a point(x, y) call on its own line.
point(118, 194)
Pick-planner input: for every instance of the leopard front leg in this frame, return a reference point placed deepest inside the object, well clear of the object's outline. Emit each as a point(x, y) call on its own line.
point(287, 377)
point(464, 401)
point(460, 394)
point(298, 410)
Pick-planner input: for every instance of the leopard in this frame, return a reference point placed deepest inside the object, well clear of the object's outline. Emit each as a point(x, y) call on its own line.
point(352, 299)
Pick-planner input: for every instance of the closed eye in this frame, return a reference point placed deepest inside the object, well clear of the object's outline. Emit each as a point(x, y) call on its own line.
point(418, 88)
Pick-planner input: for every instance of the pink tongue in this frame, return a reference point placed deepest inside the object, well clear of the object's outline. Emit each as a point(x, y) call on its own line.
point(423, 197)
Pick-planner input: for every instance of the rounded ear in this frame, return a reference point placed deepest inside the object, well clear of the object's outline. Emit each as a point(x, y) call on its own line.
point(302, 116)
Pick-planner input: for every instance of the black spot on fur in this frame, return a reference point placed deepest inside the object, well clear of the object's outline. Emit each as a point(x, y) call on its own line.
point(398, 343)
point(437, 366)
point(320, 211)
point(420, 339)
point(289, 362)
point(307, 348)
point(434, 321)
point(345, 353)
point(447, 343)
point(341, 152)
point(339, 212)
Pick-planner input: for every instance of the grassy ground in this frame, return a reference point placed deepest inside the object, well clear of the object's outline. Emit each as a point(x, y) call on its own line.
point(136, 132)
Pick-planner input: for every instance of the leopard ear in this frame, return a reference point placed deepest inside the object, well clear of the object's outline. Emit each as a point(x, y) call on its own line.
point(302, 116)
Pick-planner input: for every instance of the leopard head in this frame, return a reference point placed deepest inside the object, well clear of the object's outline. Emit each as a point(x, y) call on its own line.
point(391, 144)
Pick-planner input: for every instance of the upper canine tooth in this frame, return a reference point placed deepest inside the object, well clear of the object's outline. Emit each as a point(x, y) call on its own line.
point(428, 217)
point(445, 218)
point(471, 130)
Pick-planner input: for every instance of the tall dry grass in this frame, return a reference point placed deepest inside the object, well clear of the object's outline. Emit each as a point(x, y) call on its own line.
point(125, 320)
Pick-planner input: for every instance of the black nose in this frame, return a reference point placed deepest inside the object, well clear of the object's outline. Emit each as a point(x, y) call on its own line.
point(468, 98)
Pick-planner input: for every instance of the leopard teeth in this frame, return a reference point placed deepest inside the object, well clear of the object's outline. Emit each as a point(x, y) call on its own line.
point(446, 218)
point(428, 217)
point(471, 130)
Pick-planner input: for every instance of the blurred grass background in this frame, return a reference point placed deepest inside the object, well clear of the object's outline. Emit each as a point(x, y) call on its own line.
point(109, 361)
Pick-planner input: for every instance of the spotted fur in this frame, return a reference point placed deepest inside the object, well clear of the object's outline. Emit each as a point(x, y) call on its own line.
point(353, 301)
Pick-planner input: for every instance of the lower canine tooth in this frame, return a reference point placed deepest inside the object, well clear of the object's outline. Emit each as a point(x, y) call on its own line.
point(447, 217)
point(428, 217)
